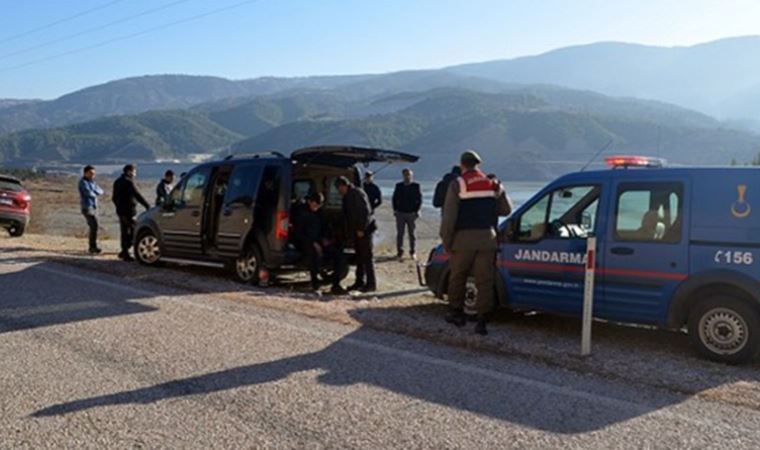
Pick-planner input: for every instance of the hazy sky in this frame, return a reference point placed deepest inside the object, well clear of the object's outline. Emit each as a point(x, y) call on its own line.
point(40, 53)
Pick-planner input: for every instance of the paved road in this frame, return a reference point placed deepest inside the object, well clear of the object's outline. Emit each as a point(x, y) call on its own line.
point(86, 361)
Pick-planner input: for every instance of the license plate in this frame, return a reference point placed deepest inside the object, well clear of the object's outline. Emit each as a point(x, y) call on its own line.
point(6, 201)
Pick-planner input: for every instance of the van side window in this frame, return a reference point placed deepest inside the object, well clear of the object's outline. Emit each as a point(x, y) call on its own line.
point(533, 221)
point(243, 184)
point(193, 188)
point(572, 213)
point(649, 212)
point(565, 213)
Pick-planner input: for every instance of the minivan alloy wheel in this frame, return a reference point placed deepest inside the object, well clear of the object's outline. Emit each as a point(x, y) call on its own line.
point(148, 249)
point(723, 331)
point(247, 266)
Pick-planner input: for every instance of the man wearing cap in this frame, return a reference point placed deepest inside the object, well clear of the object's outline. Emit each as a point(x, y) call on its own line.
point(471, 210)
point(372, 190)
point(360, 225)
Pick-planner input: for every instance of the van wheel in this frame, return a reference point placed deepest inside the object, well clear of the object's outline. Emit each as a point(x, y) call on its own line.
point(471, 298)
point(16, 230)
point(147, 249)
point(247, 266)
point(724, 329)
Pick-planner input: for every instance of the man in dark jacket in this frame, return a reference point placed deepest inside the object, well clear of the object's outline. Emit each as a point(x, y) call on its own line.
point(360, 225)
point(164, 188)
point(372, 190)
point(314, 239)
point(125, 198)
point(439, 197)
point(407, 202)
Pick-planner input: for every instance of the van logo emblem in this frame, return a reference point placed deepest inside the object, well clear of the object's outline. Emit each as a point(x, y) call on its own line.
point(740, 208)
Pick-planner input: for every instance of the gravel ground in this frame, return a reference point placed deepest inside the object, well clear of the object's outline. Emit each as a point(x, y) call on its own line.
point(633, 354)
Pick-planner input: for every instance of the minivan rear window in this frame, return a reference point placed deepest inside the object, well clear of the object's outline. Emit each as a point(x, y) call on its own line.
point(10, 186)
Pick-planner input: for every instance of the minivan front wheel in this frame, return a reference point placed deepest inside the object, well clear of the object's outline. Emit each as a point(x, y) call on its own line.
point(147, 249)
point(725, 329)
point(247, 265)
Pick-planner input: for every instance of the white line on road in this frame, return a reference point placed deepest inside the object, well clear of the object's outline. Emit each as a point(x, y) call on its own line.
point(636, 408)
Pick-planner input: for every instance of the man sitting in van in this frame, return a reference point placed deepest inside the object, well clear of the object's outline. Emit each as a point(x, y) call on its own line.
point(314, 239)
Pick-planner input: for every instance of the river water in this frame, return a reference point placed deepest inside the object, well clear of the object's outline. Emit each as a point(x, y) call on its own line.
point(519, 191)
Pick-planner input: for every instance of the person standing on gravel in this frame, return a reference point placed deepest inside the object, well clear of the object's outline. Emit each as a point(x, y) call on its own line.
point(89, 191)
point(407, 202)
point(439, 197)
point(125, 198)
point(372, 190)
point(164, 188)
point(473, 205)
point(360, 226)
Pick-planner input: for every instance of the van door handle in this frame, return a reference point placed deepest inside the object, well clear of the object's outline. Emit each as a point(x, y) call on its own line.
point(621, 251)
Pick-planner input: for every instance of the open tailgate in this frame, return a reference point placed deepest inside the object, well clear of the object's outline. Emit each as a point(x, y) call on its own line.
point(345, 156)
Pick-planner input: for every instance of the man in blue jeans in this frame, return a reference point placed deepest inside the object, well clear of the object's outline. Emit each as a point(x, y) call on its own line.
point(89, 191)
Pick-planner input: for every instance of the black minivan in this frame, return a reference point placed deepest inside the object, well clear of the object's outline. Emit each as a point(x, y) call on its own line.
point(236, 212)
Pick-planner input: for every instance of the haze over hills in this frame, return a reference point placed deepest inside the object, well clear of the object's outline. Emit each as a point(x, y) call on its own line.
point(721, 78)
point(513, 110)
point(528, 134)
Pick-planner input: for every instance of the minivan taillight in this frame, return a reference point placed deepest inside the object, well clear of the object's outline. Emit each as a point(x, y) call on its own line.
point(281, 231)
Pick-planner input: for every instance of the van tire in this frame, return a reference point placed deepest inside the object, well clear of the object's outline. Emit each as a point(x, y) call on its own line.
point(147, 248)
point(246, 267)
point(725, 329)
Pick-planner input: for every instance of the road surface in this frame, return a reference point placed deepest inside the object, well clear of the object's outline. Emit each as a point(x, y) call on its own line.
point(89, 361)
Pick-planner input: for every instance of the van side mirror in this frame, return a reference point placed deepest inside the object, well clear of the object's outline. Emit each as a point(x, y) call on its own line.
point(586, 220)
point(508, 231)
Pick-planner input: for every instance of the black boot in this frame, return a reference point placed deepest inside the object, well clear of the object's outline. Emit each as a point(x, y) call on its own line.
point(355, 287)
point(480, 325)
point(456, 317)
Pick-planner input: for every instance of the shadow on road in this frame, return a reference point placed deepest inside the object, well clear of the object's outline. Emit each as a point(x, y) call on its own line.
point(27, 302)
point(360, 358)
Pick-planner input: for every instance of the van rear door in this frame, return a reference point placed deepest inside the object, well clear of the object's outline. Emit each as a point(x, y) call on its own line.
point(646, 254)
point(346, 156)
